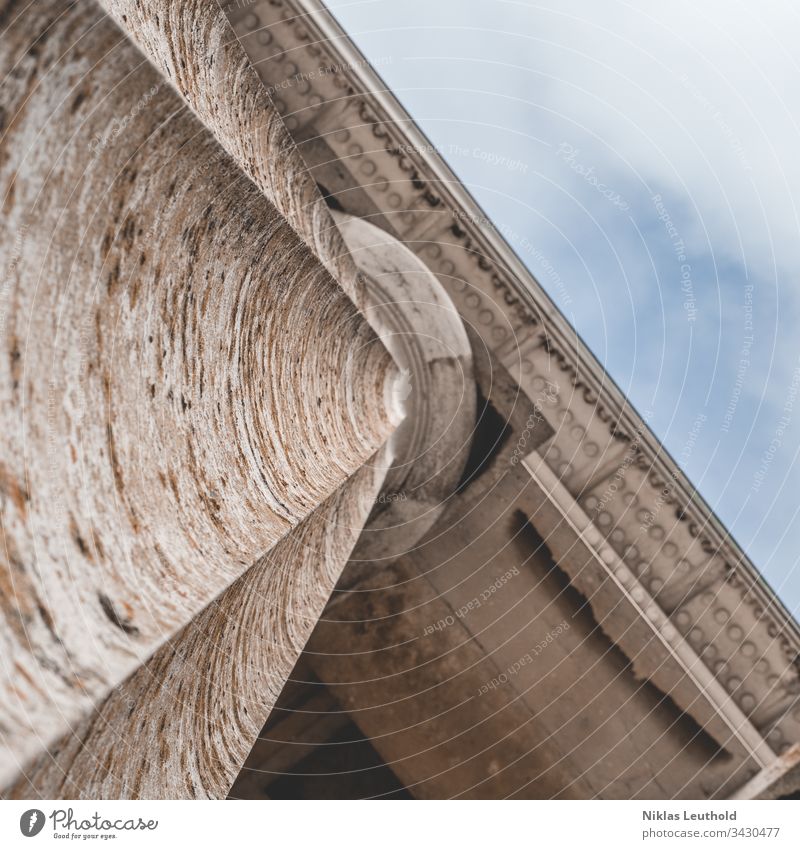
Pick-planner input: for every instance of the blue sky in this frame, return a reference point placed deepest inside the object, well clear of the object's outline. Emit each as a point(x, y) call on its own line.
point(643, 161)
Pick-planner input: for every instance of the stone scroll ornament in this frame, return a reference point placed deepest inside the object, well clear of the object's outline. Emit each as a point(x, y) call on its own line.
point(193, 408)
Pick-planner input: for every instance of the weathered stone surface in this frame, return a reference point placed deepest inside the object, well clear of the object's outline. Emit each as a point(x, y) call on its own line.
point(182, 381)
point(418, 323)
point(193, 45)
point(183, 724)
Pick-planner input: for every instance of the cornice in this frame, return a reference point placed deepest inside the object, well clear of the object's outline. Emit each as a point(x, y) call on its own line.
point(352, 130)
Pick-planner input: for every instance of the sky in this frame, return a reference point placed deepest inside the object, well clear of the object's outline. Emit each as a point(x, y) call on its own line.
point(643, 160)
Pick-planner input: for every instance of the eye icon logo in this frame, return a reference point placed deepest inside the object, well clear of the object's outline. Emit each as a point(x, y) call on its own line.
point(31, 822)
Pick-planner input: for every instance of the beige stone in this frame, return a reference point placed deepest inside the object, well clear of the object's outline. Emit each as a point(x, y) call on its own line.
point(182, 380)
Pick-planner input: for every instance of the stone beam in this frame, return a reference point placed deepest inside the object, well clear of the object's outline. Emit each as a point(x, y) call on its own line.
point(779, 778)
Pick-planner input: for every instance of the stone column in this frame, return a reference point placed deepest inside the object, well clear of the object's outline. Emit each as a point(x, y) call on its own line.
point(184, 375)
